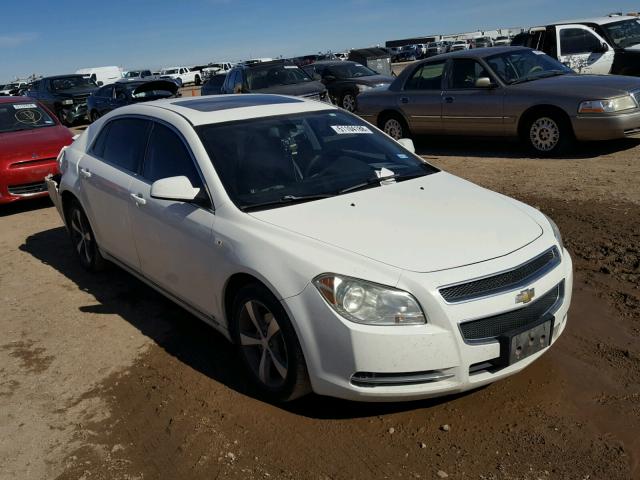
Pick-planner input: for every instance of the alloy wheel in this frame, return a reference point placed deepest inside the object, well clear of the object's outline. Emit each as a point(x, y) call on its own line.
point(263, 344)
point(349, 102)
point(81, 236)
point(393, 128)
point(544, 134)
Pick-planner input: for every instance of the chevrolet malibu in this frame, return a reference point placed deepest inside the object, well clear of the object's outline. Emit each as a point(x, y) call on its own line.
point(30, 139)
point(505, 92)
point(335, 259)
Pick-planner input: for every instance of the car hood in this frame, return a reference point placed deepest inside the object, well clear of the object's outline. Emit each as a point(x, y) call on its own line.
point(297, 89)
point(587, 86)
point(633, 48)
point(432, 223)
point(44, 142)
point(373, 80)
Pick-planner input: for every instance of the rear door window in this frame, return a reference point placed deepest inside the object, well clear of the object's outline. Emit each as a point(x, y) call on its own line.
point(125, 143)
point(427, 77)
point(167, 156)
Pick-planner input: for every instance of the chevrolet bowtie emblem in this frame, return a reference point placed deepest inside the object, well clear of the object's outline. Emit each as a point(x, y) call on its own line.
point(525, 296)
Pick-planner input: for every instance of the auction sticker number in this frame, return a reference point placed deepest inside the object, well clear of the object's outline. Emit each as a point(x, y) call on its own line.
point(350, 129)
point(24, 106)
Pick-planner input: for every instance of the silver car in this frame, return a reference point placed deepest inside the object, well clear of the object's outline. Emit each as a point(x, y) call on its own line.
point(505, 92)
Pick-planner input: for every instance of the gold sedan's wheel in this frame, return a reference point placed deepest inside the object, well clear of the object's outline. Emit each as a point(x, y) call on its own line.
point(393, 128)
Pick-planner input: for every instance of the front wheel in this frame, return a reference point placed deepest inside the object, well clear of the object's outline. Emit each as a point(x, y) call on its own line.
point(395, 127)
point(83, 240)
point(348, 102)
point(548, 134)
point(268, 345)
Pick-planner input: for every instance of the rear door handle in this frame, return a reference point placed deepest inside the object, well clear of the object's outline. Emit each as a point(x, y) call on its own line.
point(404, 100)
point(138, 198)
point(448, 99)
point(85, 173)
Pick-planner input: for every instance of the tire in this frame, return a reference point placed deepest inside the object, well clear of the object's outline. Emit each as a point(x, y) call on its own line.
point(547, 133)
point(83, 239)
point(267, 345)
point(394, 126)
point(198, 82)
point(94, 115)
point(348, 102)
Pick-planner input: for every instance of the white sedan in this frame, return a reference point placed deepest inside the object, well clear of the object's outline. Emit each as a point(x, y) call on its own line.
point(336, 259)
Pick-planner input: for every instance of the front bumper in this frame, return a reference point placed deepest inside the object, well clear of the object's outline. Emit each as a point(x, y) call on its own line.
point(339, 352)
point(72, 113)
point(606, 127)
point(25, 180)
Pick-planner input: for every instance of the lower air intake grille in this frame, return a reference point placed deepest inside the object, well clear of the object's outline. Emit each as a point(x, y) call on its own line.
point(486, 329)
point(28, 188)
point(504, 281)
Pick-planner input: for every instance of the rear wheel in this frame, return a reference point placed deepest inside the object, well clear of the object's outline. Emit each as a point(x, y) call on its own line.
point(198, 81)
point(83, 240)
point(394, 126)
point(268, 345)
point(547, 133)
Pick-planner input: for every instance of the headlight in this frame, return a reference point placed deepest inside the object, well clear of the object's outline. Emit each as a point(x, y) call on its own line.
point(556, 233)
point(364, 88)
point(608, 106)
point(68, 101)
point(369, 303)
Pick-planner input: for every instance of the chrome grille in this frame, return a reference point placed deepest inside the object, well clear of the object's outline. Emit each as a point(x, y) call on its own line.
point(489, 328)
point(28, 188)
point(505, 281)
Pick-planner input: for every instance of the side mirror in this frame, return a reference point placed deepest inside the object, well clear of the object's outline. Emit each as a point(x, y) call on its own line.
point(174, 188)
point(408, 144)
point(484, 82)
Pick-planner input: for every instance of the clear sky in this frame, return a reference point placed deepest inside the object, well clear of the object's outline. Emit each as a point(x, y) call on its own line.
point(59, 36)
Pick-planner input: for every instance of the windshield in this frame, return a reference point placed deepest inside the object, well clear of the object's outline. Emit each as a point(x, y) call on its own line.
point(23, 116)
point(69, 83)
point(525, 65)
point(132, 74)
point(275, 75)
point(624, 34)
point(267, 160)
point(171, 71)
point(351, 70)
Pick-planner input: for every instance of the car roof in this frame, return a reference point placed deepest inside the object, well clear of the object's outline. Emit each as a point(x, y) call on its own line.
point(17, 100)
point(225, 108)
point(597, 20)
point(477, 52)
point(53, 77)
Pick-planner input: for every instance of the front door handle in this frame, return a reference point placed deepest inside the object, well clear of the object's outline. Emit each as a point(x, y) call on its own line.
point(85, 173)
point(404, 100)
point(448, 99)
point(138, 198)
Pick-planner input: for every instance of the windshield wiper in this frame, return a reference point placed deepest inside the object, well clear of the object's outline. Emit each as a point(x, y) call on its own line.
point(547, 74)
point(286, 200)
point(378, 180)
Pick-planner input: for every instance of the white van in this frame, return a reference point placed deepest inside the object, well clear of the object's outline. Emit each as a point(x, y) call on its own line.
point(106, 75)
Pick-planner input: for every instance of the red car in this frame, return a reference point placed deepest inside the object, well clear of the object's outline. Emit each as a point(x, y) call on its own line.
point(30, 139)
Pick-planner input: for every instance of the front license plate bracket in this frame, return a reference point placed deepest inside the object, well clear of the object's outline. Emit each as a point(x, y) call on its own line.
point(519, 344)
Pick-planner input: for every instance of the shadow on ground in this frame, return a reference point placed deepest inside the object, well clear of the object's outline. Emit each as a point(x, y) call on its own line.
point(178, 332)
point(25, 206)
point(444, 146)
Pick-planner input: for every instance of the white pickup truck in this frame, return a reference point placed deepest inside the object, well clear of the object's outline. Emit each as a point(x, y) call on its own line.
point(184, 74)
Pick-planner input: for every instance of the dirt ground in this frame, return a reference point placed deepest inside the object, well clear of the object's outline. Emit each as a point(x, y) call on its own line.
point(103, 378)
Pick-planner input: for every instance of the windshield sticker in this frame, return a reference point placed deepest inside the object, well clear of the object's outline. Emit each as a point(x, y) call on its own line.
point(291, 66)
point(28, 116)
point(350, 129)
point(24, 106)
